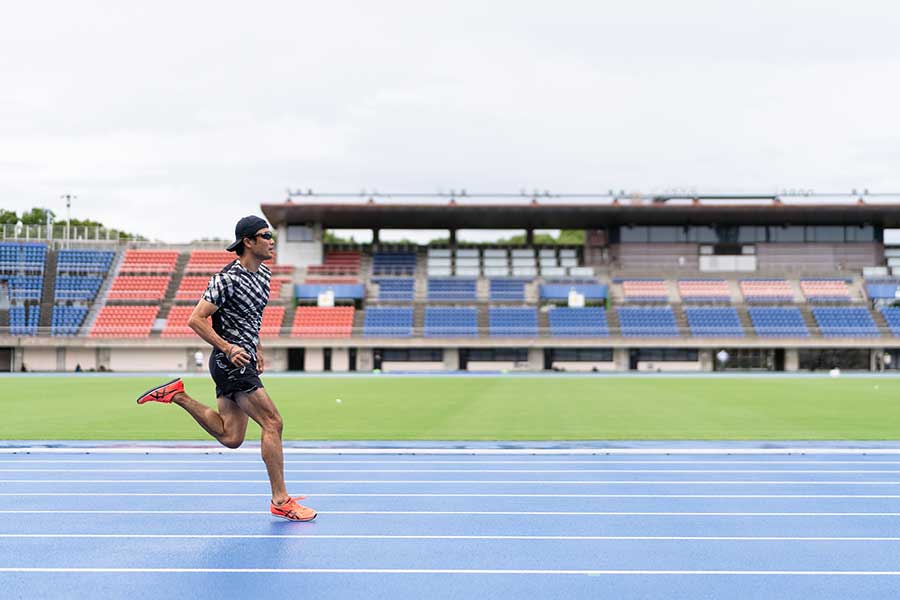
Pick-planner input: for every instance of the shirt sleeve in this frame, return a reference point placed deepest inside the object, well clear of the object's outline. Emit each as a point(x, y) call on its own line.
point(220, 289)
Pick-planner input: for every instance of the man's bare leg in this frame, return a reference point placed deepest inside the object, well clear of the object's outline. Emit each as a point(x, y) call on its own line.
point(261, 409)
point(228, 426)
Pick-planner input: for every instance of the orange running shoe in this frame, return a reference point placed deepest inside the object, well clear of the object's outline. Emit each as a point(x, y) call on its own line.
point(292, 511)
point(163, 393)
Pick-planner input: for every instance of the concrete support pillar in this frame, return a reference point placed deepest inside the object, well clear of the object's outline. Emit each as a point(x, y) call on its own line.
point(314, 360)
point(620, 358)
point(875, 359)
point(376, 236)
point(103, 359)
point(453, 238)
point(364, 361)
point(340, 359)
point(451, 359)
point(529, 237)
point(18, 356)
point(61, 358)
point(791, 359)
point(535, 359)
point(706, 360)
point(276, 359)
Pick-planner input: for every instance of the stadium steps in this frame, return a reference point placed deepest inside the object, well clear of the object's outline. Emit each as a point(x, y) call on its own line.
point(810, 321)
point(674, 297)
point(418, 318)
point(746, 321)
point(4, 321)
point(177, 276)
point(103, 292)
point(612, 321)
point(288, 322)
point(681, 319)
point(882, 325)
point(49, 289)
point(421, 284)
point(543, 323)
point(482, 290)
point(533, 291)
point(857, 287)
point(734, 290)
point(359, 321)
point(798, 293)
point(484, 321)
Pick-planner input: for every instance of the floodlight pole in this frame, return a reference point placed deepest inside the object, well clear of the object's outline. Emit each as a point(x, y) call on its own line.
point(68, 198)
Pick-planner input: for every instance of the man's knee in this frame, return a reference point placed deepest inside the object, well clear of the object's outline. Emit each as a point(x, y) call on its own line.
point(231, 441)
point(273, 423)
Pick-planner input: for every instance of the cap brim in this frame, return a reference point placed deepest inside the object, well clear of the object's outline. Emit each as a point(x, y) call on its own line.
point(234, 245)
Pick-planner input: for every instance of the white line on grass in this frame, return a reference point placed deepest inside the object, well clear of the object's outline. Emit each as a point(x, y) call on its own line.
point(453, 481)
point(505, 471)
point(462, 451)
point(312, 571)
point(347, 536)
point(812, 497)
point(46, 512)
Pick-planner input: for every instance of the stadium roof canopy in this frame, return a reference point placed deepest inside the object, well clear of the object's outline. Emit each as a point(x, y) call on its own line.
point(578, 211)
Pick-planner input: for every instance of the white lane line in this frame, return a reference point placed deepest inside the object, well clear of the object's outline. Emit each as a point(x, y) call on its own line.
point(463, 451)
point(504, 471)
point(538, 513)
point(348, 536)
point(456, 481)
point(311, 571)
point(812, 497)
point(525, 462)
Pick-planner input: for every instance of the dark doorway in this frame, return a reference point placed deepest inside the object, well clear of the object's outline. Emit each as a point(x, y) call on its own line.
point(352, 366)
point(326, 359)
point(296, 359)
point(779, 359)
point(6, 360)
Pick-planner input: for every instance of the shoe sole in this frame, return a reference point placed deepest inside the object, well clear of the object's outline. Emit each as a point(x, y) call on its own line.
point(151, 390)
point(296, 520)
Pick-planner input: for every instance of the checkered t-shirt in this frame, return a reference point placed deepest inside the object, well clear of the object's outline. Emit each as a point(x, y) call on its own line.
point(241, 297)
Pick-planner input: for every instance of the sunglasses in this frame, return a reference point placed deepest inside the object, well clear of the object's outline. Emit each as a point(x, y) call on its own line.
point(266, 236)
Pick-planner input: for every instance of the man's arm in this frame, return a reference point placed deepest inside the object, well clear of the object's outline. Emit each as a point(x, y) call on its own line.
point(260, 362)
point(199, 322)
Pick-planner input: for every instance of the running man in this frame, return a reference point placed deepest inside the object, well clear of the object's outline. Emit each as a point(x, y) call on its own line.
point(235, 300)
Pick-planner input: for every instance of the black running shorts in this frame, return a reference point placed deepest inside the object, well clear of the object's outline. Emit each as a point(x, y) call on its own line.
point(231, 379)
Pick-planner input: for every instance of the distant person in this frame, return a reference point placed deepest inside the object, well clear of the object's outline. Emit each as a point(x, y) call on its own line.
point(235, 300)
point(78, 367)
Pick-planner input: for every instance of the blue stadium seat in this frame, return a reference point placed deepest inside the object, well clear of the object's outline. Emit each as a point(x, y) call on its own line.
point(508, 289)
point(513, 322)
point(396, 289)
point(394, 263)
point(591, 291)
point(22, 322)
point(66, 320)
point(388, 321)
point(588, 321)
point(22, 258)
point(451, 322)
point(77, 288)
point(845, 321)
point(84, 261)
point(25, 287)
point(778, 321)
point(710, 321)
point(891, 314)
point(452, 289)
point(645, 321)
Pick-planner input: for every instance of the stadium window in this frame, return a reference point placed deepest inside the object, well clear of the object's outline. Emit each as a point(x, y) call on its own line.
point(582, 354)
point(634, 234)
point(751, 234)
point(667, 234)
point(786, 234)
point(412, 355)
point(861, 233)
point(702, 235)
point(668, 354)
point(825, 234)
point(498, 354)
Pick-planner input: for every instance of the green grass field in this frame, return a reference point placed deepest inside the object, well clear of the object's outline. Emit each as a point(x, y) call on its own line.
point(495, 408)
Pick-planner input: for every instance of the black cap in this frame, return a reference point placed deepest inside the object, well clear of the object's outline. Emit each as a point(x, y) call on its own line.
point(246, 227)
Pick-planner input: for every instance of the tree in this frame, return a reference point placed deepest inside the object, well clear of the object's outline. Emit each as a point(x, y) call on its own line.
point(8, 217)
point(37, 216)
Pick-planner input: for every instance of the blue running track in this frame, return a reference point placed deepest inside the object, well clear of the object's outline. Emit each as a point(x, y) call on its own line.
point(685, 526)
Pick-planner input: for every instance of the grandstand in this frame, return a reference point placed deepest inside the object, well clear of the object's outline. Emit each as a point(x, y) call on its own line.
point(658, 283)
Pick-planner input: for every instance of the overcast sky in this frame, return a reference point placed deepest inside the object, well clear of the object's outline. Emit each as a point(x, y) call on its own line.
point(173, 119)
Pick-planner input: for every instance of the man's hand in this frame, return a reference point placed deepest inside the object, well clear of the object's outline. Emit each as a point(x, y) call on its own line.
point(237, 356)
